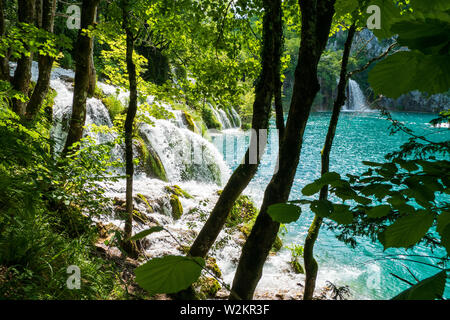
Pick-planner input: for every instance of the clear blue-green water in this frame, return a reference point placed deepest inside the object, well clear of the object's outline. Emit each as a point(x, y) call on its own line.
point(359, 136)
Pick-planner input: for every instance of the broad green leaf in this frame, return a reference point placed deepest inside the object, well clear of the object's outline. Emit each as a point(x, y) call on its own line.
point(443, 221)
point(430, 5)
point(145, 233)
point(168, 274)
point(341, 214)
point(284, 213)
point(343, 7)
point(329, 177)
point(312, 188)
point(407, 69)
point(445, 239)
point(323, 208)
point(406, 231)
point(429, 289)
point(379, 211)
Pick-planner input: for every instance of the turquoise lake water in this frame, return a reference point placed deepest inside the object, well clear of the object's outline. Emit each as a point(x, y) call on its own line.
point(359, 136)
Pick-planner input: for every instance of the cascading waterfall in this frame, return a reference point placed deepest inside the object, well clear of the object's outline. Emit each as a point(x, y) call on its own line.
point(185, 155)
point(356, 101)
point(227, 121)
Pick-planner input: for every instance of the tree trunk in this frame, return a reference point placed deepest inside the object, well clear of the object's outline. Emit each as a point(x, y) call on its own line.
point(264, 90)
point(316, 22)
point(311, 266)
point(279, 107)
point(45, 62)
point(22, 75)
point(82, 53)
point(131, 114)
point(4, 61)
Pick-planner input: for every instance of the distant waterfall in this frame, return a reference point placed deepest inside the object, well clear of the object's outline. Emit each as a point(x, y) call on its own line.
point(356, 101)
point(227, 121)
point(185, 155)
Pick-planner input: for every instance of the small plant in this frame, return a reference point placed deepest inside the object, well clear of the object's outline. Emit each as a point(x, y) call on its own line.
point(296, 253)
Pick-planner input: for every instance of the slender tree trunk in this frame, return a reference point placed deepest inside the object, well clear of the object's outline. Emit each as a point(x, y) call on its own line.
point(131, 114)
point(311, 266)
point(316, 23)
point(279, 107)
point(45, 62)
point(22, 75)
point(82, 55)
point(265, 88)
point(92, 72)
point(4, 61)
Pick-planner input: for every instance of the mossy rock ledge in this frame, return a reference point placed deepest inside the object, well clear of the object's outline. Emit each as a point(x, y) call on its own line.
point(177, 208)
point(150, 163)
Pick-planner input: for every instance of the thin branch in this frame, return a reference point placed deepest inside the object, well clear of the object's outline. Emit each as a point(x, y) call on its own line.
point(368, 64)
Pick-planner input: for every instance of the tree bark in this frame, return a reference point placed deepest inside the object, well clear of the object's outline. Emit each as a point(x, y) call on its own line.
point(45, 62)
point(131, 114)
point(4, 61)
point(271, 53)
point(82, 53)
point(316, 23)
point(311, 266)
point(22, 76)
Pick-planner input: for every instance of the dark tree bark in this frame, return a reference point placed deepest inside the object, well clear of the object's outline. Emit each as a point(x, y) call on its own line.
point(279, 107)
point(316, 22)
point(45, 62)
point(82, 54)
point(4, 61)
point(128, 245)
point(311, 266)
point(264, 90)
point(22, 75)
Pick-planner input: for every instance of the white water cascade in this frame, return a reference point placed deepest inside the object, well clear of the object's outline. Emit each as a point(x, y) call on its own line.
point(356, 101)
point(185, 155)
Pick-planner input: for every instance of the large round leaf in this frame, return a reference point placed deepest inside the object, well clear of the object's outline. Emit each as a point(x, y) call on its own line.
point(169, 274)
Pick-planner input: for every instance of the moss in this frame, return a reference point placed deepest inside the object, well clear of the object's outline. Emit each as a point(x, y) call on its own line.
point(114, 106)
point(211, 265)
point(243, 211)
point(150, 163)
point(144, 199)
point(177, 208)
point(190, 122)
point(140, 217)
point(297, 267)
point(210, 119)
point(176, 190)
point(207, 287)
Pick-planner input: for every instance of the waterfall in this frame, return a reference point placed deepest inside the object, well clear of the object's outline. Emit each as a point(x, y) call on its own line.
point(356, 101)
point(227, 121)
point(237, 119)
point(185, 155)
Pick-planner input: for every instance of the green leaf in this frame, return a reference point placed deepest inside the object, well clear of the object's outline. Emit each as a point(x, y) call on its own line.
point(429, 289)
point(145, 233)
point(406, 69)
point(379, 211)
point(445, 239)
point(406, 231)
point(342, 7)
point(312, 188)
point(329, 177)
point(341, 214)
point(169, 274)
point(443, 221)
point(284, 213)
point(323, 208)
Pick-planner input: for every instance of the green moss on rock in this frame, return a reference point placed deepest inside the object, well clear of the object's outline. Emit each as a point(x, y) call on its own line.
point(210, 119)
point(177, 208)
point(277, 245)
point(144, 200)
point(211, 265)
point(150, 163)
point(206, 287)
point(176, 190)
point(297, 267)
